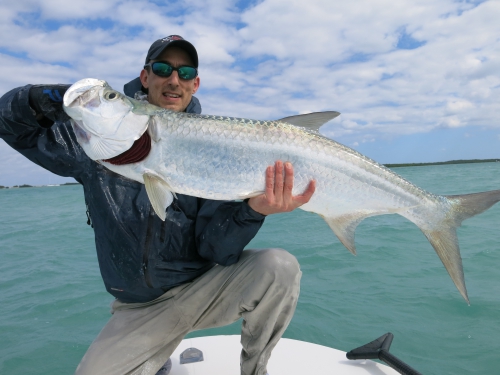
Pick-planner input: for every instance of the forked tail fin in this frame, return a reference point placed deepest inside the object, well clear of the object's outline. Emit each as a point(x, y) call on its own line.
point(443, 237)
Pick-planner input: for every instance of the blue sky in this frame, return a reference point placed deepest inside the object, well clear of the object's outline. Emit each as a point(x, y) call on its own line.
point(415, 80)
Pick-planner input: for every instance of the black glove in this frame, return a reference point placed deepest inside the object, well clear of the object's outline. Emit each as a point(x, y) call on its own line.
point(46, 101)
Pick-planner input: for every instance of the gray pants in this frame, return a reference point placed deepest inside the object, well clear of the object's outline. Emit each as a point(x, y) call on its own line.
point(262, 288)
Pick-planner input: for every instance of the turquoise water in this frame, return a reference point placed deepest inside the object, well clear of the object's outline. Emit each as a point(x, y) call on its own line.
point(53, 302)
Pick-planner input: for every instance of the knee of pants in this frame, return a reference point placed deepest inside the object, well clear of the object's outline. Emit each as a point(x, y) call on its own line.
point(280, 263)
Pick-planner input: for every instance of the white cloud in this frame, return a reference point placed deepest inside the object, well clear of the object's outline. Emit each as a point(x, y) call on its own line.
point(451, 122)
point(19, 72)
point(281, 57)
point(76, 9)
point(17, 171)
point(455, 106)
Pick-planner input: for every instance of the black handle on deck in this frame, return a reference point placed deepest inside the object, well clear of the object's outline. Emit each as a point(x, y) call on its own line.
point(379, 349)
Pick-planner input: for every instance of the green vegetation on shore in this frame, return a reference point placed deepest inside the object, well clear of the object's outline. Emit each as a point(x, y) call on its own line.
point(443, 162)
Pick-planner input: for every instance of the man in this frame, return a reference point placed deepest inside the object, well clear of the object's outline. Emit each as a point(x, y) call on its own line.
point(169, 277)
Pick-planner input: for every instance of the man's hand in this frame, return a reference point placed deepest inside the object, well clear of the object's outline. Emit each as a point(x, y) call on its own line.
point(46, 101)
point(278, 195)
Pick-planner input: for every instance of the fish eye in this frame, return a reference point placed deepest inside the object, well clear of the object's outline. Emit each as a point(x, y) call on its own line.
point(110, 95)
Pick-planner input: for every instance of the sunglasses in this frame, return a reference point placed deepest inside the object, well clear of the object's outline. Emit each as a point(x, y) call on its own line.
point(164, 69)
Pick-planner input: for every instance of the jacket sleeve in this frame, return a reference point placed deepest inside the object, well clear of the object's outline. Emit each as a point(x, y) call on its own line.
point(224, 229)
point(54, 148)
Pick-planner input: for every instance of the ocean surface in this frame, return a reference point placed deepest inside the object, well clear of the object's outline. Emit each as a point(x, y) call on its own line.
point(53, 302)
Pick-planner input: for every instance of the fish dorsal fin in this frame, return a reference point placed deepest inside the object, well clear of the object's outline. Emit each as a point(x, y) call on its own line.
point(159, 193)
point(312, 121)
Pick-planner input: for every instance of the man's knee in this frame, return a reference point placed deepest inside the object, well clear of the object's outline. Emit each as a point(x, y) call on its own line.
point(280, 263)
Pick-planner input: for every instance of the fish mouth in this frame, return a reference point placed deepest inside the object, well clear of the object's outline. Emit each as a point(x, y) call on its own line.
point(80, 88)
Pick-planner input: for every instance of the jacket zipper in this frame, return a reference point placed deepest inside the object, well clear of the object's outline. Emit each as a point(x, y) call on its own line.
point(145, 254)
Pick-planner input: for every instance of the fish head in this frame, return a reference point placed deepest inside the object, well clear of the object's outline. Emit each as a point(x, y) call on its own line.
point(102, 118)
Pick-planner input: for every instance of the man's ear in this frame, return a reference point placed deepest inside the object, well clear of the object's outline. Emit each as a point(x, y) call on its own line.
point(144, 78)
point(196, 84)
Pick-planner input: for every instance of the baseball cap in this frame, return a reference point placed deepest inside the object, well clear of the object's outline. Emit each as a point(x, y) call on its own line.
point(173, 40)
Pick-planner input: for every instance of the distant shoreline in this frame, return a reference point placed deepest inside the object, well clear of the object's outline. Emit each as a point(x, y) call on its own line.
point(442, 163)
point(386, 165)
point(30, 186)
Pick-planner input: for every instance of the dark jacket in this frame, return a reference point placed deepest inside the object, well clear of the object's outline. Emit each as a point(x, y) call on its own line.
point(140, 256)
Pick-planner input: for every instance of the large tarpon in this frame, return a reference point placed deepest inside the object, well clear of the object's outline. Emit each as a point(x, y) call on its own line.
point(225, 158)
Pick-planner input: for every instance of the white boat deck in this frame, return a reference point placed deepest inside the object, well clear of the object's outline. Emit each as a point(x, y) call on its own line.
point(290, 357)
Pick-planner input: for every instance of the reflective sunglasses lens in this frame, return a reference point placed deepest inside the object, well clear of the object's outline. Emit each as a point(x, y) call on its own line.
point(162, 69)
point(187, 72)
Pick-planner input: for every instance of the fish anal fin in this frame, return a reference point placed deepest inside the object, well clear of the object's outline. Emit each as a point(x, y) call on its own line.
point(344, 227)
point(159, 193)
point(312, 121)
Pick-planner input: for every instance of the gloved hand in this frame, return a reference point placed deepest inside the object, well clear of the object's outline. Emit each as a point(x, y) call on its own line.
point(46, 101)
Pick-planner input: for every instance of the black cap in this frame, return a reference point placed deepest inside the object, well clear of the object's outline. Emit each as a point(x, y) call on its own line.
point(173, 40)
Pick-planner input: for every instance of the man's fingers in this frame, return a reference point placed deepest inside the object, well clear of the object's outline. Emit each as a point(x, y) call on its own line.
point(306, 195)
point(310, 189)
point(278, 191)
point(278, 182)
point(288, 187)
point(270, 182)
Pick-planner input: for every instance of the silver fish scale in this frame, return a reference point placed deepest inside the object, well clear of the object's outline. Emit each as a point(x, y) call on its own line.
point(219, 157)
point(225, 158)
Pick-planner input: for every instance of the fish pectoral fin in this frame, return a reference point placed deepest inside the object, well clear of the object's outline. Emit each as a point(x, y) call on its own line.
point(159, 193)
point(344, 227)
point(251, 194)
point(312, 121)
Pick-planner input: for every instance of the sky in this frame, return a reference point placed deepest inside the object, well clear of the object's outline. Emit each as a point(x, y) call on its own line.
point(414, 80)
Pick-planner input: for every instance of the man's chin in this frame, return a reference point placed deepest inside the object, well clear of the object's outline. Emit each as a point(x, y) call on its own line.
point(176, 106)
point(172, 107)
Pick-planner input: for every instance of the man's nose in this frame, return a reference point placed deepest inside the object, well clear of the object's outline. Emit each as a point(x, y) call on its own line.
point(173, 79)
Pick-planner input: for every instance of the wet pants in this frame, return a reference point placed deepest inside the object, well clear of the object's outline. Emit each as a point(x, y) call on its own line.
point(262, 288)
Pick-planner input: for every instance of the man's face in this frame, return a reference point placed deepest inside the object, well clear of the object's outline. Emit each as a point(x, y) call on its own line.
point(170, 92)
